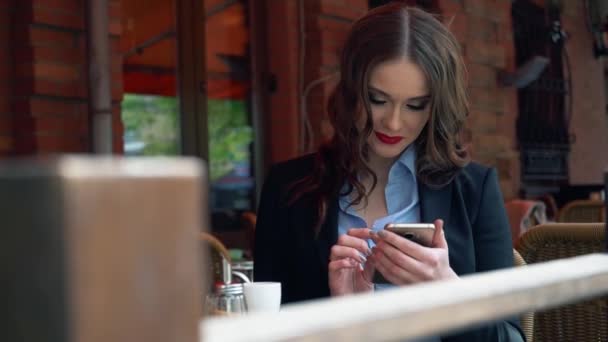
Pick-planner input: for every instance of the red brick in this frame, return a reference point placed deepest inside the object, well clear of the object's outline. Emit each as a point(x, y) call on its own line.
point(115, 27)
point(480, 28)
point(117, 91)
point(43, 106)
point(504, 33)
point(457, 23)
point(6, 143)
point(53, 143)
point(491, 144)
point(25, 87)
point(50, 54)
point(337, 9)
point(482, 121)
point(327, 23)
point(505, 168)
point(486, 53)
point(44, 36)
point(7, 5)
point(573, 9)
point(52, 17)
point(115, 9)
point(478, 7)
point(115, 45)
point(70, 6)
point(67, 124)
point(450, 6)
point(5, 29)
point(116, 63)
point(487, 99)
point(58, 72)
point(481, 75)
point(5, 72)
point(5, 124)
point(330, 59)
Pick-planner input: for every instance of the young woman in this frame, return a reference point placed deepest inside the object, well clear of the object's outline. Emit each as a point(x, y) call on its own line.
point(395, 157)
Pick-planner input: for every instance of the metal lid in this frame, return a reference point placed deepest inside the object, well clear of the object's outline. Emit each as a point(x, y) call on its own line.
point(242, 265)
point(229, 289)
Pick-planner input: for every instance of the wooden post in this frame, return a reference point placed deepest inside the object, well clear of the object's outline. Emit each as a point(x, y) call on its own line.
point(101, 249)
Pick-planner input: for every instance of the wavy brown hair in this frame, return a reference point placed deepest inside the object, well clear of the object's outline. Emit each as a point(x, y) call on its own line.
point(386, 33)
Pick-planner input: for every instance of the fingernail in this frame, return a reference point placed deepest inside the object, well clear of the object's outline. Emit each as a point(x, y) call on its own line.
point(382, 234)
point(362, 257)
point(361, 267)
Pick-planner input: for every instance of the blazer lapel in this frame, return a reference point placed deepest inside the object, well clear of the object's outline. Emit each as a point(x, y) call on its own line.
point(435, 203)
point(328, 235)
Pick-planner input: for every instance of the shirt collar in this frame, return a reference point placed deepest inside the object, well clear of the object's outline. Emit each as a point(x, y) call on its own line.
point(407, 159)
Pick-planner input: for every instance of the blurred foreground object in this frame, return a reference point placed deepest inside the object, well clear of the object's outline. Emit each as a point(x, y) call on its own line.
point(101, 249)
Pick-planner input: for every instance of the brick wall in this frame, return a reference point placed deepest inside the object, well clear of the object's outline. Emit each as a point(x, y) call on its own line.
point(588, 157)
point(116, 60)
point(282, 128)
point(484, 29)
point(47, 63)
point(327, 25)
point(6, 77)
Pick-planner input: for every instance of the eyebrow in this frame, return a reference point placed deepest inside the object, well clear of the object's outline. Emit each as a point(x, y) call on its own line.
point(417, 98)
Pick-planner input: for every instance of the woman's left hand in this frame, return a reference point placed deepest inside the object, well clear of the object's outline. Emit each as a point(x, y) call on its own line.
point(402, 261)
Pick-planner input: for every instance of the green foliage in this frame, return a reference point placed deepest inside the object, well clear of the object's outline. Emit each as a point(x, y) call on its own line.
point(154, 120)
point(229, 136)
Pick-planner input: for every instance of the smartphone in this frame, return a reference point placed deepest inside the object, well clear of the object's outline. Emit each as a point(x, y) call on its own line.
point(420, 233)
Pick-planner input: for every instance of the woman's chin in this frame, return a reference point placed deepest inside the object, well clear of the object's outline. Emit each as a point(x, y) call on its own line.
point(388, 151)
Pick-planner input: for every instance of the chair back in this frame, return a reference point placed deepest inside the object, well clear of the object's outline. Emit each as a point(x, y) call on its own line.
point(249, 220)
point(582, 321)
point(219, 257)
point(582, 211)
point(527, 319)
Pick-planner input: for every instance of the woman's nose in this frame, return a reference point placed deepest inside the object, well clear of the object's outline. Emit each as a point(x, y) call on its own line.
point(392, 119)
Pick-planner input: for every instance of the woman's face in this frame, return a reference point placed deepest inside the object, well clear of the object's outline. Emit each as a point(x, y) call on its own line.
point(400, 102)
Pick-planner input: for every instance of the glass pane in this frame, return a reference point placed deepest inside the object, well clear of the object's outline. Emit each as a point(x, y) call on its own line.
point(150, 107)
point(229, 116)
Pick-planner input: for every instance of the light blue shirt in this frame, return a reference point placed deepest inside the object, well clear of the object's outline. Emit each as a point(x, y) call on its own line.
point(402, 204)
point(401, 193)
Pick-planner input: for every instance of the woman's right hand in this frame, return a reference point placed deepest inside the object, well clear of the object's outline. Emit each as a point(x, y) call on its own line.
point(347, 256)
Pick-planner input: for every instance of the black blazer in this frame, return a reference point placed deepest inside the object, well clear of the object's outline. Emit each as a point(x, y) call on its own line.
point(476, 228)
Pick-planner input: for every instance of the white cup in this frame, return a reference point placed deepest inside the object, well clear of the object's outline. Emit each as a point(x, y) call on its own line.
point(262, 296)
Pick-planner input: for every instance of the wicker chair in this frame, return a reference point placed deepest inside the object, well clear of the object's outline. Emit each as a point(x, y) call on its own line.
point(582, 211)
point(526, 319)
point(248, 220)
point(218, 256)
point(581, 321)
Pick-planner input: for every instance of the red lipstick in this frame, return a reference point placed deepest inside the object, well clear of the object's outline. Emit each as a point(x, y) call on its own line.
point(388, 139)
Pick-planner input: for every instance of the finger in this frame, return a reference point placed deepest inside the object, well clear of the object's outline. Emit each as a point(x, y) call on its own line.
point(391, 271)
point(361, 233)
point(347, 263)
point(341, 252)
point(406, 246)
point(404, 261)
point(370, 268)
point(439, 240)
point(353, 242)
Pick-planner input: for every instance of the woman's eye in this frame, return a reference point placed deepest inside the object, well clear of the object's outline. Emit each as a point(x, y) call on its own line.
point(375, 100)
point(419, 107)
